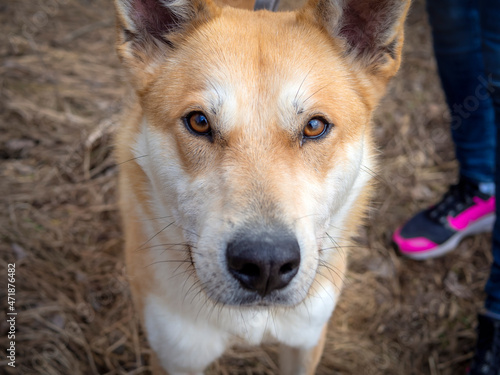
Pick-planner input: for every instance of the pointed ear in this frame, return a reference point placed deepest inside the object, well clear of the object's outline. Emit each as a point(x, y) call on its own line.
point(371, 31)
point(147, 30)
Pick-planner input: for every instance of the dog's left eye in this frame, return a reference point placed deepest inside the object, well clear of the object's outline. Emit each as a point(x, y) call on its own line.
point(315, 128)
point(198, 123)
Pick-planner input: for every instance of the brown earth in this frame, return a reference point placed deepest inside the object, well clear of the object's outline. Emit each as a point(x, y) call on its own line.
point(60, 92)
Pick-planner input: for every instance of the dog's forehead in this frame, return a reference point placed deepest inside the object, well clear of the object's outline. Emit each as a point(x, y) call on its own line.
point(260, 68)
point(262, 64)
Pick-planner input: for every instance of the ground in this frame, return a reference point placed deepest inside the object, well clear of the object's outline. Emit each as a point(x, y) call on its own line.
point(61, 90)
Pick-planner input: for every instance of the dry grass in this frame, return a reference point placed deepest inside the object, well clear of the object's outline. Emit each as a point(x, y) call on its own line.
point(60, 91)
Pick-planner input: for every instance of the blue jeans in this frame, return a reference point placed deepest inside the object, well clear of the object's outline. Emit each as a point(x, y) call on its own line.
point(466, 35)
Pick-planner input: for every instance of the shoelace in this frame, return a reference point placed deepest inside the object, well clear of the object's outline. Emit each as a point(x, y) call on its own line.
point(456, 199)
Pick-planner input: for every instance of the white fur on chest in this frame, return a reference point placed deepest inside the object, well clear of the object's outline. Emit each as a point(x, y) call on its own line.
point(191, 336)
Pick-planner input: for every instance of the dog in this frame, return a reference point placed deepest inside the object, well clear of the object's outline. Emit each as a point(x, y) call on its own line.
point(245, 160)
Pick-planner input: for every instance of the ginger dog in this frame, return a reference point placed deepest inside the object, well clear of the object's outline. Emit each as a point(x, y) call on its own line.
point(245, 168)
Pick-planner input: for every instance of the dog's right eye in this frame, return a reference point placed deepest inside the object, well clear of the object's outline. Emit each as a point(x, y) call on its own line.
point(198, 123)
point(316, 128)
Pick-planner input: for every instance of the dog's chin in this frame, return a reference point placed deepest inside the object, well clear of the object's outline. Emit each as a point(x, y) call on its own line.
point(257, 301)
point(240, 297)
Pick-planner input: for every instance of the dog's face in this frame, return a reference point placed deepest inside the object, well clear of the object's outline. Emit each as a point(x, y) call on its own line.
point(255, 136)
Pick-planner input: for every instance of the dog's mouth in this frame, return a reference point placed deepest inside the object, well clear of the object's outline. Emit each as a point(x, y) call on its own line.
point(243, 299)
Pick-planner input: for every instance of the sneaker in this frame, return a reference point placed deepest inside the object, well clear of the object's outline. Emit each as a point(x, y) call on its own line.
point(486, 360)
point(463, 211)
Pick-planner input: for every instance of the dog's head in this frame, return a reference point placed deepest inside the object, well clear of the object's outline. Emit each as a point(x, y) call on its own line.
point(255, 132)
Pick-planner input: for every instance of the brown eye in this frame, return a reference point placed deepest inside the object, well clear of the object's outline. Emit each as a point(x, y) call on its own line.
point(198, 123)
point(315, 128)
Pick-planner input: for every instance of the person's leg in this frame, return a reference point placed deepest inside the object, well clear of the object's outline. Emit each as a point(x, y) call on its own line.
point(469, 207)
point(456, 36)
point(486, 359)
point(490, 23)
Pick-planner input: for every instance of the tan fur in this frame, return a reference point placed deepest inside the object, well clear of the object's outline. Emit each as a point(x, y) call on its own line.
point(305, 361)
point(256, 169)
point(243, 4)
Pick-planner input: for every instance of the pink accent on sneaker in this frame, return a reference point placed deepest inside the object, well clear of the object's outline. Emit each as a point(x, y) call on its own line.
point(480, 209)
point(412, 245)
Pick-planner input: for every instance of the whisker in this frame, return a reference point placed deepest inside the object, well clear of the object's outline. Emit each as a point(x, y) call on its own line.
point(303, 217)
point(181, 264)
point(343, 246)
point(338, 245)
point(214, 305)
point(243, 320)
point(156, 218)
point(167, 226)
point(200, 287)
point(137, 157)
point(308, 294)
point(301, 83)
point(168, 261)
point(193, 287)
point(167, 244)
point(314, 93)
point(187, 230)
point(331, 269)
point(375, 175)
point(192, 274)
point(188, 269)
point(272, 313)
point(340, 229)
point(207, 301)
point(334, 285)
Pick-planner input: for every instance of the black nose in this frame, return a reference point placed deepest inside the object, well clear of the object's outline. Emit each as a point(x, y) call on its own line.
point(263, 262)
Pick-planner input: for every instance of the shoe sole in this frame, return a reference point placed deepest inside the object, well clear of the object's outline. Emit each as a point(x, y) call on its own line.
point(480, 226)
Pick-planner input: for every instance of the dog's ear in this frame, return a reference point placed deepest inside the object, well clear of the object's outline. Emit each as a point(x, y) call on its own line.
point(371, 31)
point(148, 29)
